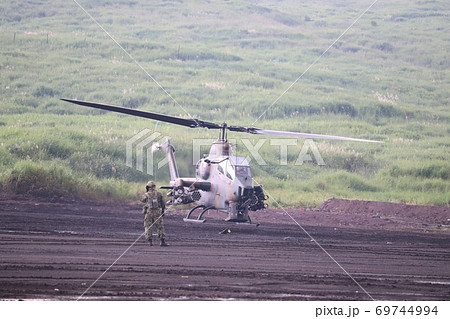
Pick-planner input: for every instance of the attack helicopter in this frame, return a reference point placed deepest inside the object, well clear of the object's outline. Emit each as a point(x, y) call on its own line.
point(223, 182)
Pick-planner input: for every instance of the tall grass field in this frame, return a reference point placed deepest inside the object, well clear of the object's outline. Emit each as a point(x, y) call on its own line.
point(326, 67)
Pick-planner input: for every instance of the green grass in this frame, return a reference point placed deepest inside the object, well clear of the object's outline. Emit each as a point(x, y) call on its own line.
point(387, 78)
point(55, 180)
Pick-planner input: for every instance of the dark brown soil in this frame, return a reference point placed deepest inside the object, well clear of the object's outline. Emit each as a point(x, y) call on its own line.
point(58, 249)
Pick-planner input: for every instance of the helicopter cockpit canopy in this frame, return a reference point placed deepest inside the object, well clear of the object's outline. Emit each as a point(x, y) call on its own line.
point(241, 165)
point(226, 168)
point(241, 169)
point(235, 167)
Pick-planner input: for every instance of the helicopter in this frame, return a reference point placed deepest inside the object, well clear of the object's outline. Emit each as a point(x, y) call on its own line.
point(223, 182)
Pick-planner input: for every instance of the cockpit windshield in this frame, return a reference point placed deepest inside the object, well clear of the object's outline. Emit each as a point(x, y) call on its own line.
point(234, 166)
point(243, 171)
point(242, 167)
point(226, 168)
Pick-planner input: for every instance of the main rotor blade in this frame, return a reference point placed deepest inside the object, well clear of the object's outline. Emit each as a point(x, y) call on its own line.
point(254, 130)
point(149, 115)
point(192, 123)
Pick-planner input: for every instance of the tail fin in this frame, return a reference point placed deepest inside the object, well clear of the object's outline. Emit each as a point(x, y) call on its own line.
point(169, 149)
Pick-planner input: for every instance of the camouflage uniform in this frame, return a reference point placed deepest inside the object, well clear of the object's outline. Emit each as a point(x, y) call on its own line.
point(153, 209)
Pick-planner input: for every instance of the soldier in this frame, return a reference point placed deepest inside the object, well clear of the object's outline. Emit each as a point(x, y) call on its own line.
point(153, 211)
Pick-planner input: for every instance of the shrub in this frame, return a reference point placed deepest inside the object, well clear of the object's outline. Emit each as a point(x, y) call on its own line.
point(52, 179)
point(30, 178)
point(385, 47)
point(381, 111)
point(5, 157)
point(43, 91)
point(340, 108)
point(435, 169)
point(351, 181)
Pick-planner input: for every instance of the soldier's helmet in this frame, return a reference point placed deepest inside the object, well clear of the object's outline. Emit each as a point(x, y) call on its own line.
point(150, 184)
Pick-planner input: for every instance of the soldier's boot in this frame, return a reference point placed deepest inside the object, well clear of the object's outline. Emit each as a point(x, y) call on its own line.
point(150, 242)
point(163, 242)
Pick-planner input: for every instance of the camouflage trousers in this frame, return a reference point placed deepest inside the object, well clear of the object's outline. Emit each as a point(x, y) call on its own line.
point(152, 218)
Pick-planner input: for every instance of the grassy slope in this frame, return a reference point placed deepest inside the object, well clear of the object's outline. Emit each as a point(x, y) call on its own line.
point(387, 78)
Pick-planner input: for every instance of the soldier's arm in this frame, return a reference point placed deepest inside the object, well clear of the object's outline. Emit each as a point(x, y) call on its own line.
point(144, 198)
point(161, 202)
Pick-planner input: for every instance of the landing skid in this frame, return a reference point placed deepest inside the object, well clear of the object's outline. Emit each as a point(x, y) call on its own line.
point(203, 209)
point(246, 224)
point(199, 219)
point(240, 220)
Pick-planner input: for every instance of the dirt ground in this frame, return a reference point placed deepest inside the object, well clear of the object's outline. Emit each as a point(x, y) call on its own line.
point(342, 250)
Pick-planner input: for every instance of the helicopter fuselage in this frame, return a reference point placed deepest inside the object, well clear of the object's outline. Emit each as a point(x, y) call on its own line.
point(223, 182)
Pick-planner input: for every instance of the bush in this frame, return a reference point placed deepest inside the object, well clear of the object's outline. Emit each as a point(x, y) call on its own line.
point(42, 149)
point(54, 180)
point(351, 181)
point(385, 47)
point(340, 108)
point(43, 91)
point(351, 162)
point(186, 55)
point(30, 178)
point(381, 111)
point(436, 169)
point(5, 157)
point(134, 102)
